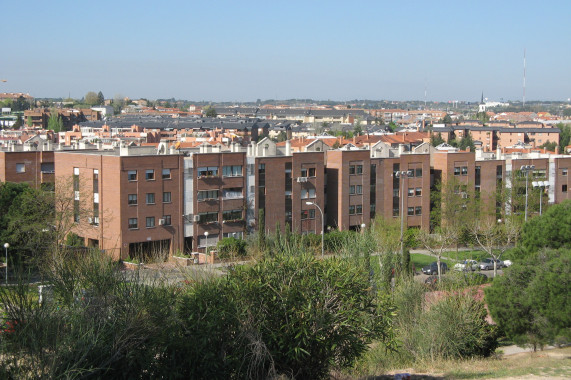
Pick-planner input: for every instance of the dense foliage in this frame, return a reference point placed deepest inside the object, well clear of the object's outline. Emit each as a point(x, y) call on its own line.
point(552, 229)
point(530, 302)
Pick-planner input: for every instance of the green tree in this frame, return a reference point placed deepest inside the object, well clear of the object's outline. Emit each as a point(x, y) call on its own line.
point(564, 136)
point(21, 104)
point(467, 142)
point(55, 122)
point(210, 112)
point(29, 121)
point(91, 98)
point(550, 230)
point(446, 119)
point(100, 98)
point(530, 302)
point(550, 146)
point(436, 139)
point(393, 126)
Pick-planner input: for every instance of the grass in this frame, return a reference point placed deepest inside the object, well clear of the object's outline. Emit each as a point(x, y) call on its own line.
point(545, 364)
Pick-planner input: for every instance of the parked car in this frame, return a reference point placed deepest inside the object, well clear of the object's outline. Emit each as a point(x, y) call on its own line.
point(431, 281)
point(507, 263)
point(433, 268)
point(467, 265)
point(488, 264)
point(475, 278)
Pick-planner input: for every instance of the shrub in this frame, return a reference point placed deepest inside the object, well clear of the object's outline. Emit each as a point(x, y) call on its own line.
point(229, 248)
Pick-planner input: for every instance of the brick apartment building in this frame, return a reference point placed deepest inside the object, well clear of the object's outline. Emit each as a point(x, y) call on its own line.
point(125, 203)
point(32, 167)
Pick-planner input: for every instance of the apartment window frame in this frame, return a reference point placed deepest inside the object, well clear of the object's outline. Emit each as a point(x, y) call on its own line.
point(564, 172)
point(133, 223)
point(457, 170)
point(232, 171)
point(358, 209)
point(207, 195)
point(132, 199)
point(150, 222)
point(20, 168)
point(564, 188)
point(352, 210)
point(311, 172)
point(150, 174)
point(410, 192)
point(150, 198)
point(418, 210)
point(418, 192)
point(410, 211)
point(464, 170)
point(167, 220)
point(131, 175)
point(167, 197)
point(207, 171)
point(418, 172)
point(166, 174)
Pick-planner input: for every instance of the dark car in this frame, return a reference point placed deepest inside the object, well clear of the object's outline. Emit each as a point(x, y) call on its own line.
point(433, 268)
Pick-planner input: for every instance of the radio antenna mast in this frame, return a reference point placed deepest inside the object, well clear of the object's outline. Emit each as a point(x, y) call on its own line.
point(524, 77)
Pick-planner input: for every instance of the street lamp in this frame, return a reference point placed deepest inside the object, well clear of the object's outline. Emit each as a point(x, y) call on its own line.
point(402, 174)
point(542, 186)
point(322, 225)
point(363, 225)
point(206, 252)
point(526, 169)
point(6, 246)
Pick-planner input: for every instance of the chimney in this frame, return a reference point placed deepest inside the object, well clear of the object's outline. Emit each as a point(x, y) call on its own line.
point(401, 149)
point(288, 148)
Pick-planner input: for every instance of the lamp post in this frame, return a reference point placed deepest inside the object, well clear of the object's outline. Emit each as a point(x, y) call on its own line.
point(402, 174)
point(526, 169)
point(322, 225)
point(6, 246)
point(542, 186)
point(206, 251)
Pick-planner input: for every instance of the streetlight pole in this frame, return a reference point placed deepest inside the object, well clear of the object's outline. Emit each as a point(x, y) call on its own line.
point(542, 186)
point(526, 169)
point(322, 225)
point(402, 174)
point(206, 251)
point(6, 246)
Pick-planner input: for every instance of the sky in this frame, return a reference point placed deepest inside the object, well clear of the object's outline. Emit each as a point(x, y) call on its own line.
point(327, 50)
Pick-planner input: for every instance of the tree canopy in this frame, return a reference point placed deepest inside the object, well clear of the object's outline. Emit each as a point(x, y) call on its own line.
point(552, 229)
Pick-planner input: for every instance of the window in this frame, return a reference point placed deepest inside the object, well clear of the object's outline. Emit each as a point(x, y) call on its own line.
point(418, 172)
point(352, 210)
point(311, 172)
point(232, 171)
point(150, 174)
point(359, 189)
point(564, 188)
point(150, 221)
point(418, 210)
point(167, 197)
point(358, 209)
point(418, 191)
point(132, 199)
point(564, 172)
point(288, 194)
point(410, 211)
point(232, 215)
point(20, 168)
point(133, 223)
point(96, 181)
point(359, 169)
point(210, 241)
point(205, 195)
point(166, 174)
point(235, 235)
point(464, 170)
point(208, 171)
point(352, 189)
point(132, 175)
point(395, 193)
point(457, 170)
point(411, 191)
point(150, 197)
point(261, 168)
point(356, 189)
point(351, 169)
point(308, 214)
point(307, 193)
point(232, 193)
point(208, 217)
point(167, 220)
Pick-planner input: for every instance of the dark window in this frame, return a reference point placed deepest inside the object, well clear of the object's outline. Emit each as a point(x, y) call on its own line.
point(464, 170)
point(351, 169)
point(166, 174)
point(564, 188)
point(167, 220)
point(352, 210)
point(418, 172)
point(133, 223)
point(311, 172)
point(457, 170)
point(359, 169)
point(96, 181)
point(150, 221)
point(410, 211)
point(167, 197)
point(418, 210)
point(418, 191)
point(150, 197)
point(149, 175)
point(308, 214)
point(132, 175)
point(132, 199)
point(411, 192)
point(232, 215)
point(359, 209)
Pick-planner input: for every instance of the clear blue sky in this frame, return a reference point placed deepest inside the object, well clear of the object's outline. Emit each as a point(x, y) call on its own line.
point(244, 50)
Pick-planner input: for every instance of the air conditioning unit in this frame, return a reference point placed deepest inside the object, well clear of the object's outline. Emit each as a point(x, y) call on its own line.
point(301, 179)
point(161, 221)
point(90, 220)
point(464, 196)
point(196, 218)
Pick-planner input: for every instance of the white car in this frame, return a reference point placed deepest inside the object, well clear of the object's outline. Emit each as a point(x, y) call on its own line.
point(466, 265)
point(507, 263)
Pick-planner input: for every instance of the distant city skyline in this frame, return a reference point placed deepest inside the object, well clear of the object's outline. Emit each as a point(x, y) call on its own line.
point(243, 51)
